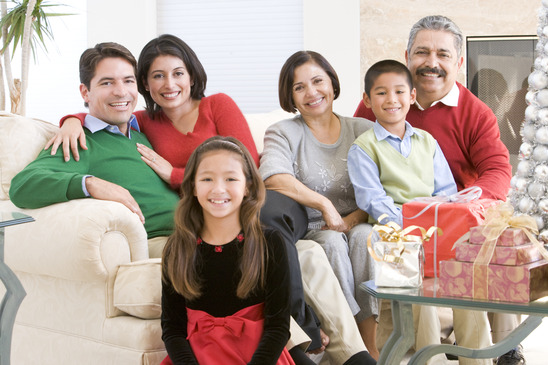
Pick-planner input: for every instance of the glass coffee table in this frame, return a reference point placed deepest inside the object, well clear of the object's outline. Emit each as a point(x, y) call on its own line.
point(14, 290)
point(403, 334)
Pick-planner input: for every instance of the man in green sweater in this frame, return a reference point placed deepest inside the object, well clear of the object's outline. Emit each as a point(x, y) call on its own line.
point(111, 168)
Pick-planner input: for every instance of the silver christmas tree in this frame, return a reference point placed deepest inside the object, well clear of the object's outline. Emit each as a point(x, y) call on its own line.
point(529, 192)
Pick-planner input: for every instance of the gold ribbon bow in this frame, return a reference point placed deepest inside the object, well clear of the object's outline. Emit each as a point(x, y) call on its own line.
point(392, 232)
point(497, 220)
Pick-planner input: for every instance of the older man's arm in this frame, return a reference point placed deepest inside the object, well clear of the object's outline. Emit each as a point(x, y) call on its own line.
point(490, 158)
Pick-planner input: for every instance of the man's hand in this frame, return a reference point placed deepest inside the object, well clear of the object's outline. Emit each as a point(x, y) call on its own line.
point(104, 190)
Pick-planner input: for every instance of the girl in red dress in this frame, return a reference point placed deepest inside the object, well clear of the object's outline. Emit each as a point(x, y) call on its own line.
point(225, 283)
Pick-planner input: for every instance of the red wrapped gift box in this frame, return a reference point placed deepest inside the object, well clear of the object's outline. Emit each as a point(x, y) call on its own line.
point(453, 217)
point(522, 283)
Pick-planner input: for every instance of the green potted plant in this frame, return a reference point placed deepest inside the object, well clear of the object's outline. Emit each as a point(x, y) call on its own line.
point(26, 25)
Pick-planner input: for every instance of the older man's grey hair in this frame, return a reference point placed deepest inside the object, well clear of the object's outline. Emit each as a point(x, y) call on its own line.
point(436, 22)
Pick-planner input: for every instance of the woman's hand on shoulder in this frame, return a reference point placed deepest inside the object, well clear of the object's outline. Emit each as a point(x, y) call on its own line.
point(70, 135)
point(156, 162)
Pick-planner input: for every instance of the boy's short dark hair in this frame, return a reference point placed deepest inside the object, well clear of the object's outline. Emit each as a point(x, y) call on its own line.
point(386, 66)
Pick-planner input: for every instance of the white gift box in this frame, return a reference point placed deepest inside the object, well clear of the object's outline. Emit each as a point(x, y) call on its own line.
point(401, 264)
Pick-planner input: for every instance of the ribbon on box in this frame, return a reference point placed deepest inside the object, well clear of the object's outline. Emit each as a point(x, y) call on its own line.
point(464, 196)
point(497, 220)
point(391, 232)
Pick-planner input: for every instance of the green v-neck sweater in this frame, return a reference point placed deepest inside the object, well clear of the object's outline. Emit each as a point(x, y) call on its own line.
point(111, 157)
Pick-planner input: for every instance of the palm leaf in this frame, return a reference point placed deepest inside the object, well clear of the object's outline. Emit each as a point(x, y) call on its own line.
point(15, 21)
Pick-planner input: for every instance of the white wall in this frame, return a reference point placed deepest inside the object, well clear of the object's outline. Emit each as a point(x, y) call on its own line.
point(53, 79)
point(131, 23)
point(54, 82)
point(331, 28)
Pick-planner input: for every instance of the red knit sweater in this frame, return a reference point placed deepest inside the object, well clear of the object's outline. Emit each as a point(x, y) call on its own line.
point(218, 115)
point(469, 137)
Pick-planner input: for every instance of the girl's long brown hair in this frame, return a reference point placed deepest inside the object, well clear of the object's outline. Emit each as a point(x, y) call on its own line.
point(180, 259)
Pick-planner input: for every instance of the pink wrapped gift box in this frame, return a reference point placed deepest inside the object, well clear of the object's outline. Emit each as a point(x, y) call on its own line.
point(522, 283)
point(510, 237)
point(503, 255)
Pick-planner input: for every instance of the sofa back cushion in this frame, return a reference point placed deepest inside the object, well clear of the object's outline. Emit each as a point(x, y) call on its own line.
point(259, 122)
point(21, 140)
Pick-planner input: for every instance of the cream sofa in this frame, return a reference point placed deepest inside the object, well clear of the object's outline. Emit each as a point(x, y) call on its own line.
point(93, 295)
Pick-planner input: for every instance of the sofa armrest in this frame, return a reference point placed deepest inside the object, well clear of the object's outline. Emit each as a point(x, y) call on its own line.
point(84, 239)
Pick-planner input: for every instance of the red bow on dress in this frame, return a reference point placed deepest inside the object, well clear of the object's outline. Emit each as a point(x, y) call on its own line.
point(207, 324)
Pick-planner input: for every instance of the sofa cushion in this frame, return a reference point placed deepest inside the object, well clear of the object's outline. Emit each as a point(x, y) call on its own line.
point(21, 140)
point(138, 289)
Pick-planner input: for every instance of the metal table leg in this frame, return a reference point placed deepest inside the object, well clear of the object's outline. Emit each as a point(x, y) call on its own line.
point(402, 337)
point(15, 293)
point(496, 350)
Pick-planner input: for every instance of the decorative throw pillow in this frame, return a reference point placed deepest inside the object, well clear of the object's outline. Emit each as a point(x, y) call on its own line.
point(138, 289)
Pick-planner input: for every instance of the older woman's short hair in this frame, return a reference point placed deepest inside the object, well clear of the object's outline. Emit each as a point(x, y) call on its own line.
point(287, 76)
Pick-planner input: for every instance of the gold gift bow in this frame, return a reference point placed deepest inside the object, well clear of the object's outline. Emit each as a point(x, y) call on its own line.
point(497, 220)
point(392, 232)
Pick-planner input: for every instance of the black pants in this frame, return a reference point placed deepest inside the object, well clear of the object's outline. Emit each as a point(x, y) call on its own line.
point(290, 219)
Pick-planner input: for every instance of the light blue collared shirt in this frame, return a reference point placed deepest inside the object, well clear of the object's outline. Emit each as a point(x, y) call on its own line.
point(364, 173)
point(95, 124)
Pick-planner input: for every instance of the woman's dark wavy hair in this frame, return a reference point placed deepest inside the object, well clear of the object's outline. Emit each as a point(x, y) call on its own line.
point(181, 259)
point(170, 45)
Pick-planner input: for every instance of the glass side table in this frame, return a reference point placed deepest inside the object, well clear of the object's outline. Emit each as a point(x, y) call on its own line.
point(403, 334)
point(14, 290)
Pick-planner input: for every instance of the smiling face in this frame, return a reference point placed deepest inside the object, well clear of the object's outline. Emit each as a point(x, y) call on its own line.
point(112, 93)
point(390, 99)
point(220, 185)
point(434, 64)
point(168, 82)
point(313, 93)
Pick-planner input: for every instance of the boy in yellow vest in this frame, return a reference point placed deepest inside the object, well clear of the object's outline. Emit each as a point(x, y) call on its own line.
point(392, 163)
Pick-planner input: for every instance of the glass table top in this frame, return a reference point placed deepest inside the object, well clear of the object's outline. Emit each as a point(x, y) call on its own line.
point(12, 218)
point(428, 294)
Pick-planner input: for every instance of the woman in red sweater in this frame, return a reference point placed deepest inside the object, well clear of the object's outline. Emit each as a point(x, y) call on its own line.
point(178, 116)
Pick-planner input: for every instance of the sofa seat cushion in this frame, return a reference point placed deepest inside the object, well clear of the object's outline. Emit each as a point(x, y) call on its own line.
point(138, 289)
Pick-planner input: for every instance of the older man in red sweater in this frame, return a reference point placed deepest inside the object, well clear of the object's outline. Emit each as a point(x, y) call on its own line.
point(465, 128)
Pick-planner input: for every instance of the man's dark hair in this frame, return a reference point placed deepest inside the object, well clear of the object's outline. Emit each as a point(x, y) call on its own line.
point(92, 56)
